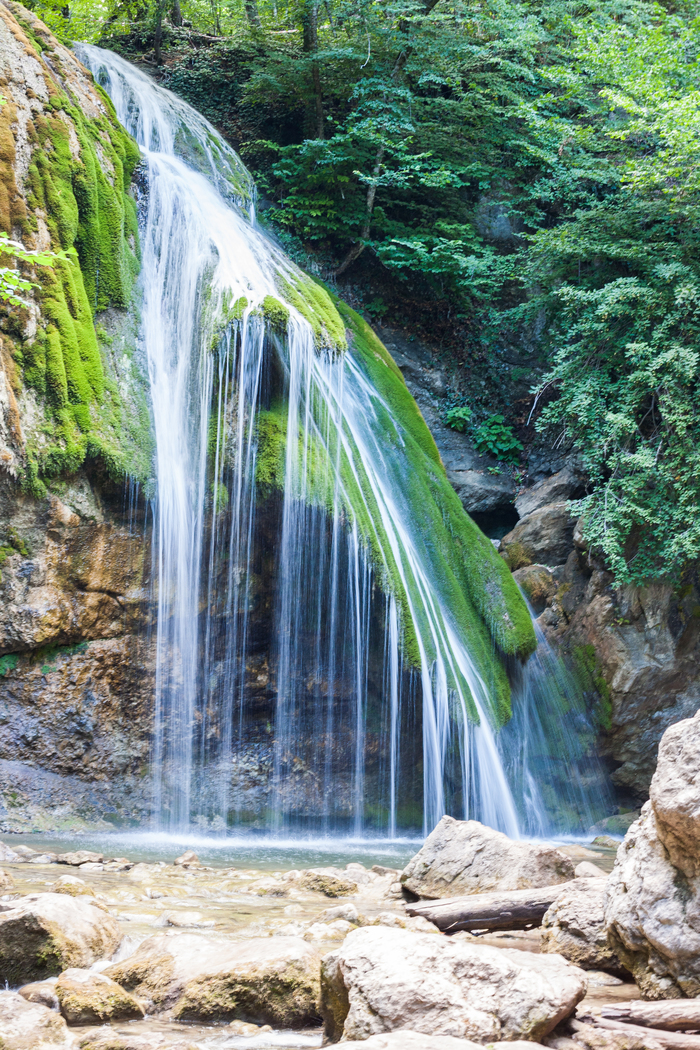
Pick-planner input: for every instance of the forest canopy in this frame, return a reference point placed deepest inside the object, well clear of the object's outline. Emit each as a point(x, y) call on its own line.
point(524, 173)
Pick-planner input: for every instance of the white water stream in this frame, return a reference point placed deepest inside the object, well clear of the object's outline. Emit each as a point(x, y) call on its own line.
point(201, 252)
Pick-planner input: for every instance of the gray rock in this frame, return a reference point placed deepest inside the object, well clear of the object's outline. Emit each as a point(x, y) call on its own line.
point(463, 856)
point(538, 585)
point(41, 934)
point(382, 980)
point(267, 981)
point(653, 905)
point(587, 870)
point(560, 486)
point(42, 992)
point(482, 492)
point(8, 856)
point(545, 536)
point(78, 857)
point(27, 1025)
point(574, 927)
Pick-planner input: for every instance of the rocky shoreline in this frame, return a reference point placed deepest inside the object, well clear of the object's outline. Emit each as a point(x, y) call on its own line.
point(102, 953)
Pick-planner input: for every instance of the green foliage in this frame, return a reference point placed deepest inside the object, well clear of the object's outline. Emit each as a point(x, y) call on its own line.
point(591, 679)
point(11, 281)
point(458, 418)
point(494, 436)
point(8, 663)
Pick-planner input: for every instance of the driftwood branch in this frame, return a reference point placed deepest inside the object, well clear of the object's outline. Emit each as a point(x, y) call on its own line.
point(669, 1040)
point(671, 1015)
point(504, 910)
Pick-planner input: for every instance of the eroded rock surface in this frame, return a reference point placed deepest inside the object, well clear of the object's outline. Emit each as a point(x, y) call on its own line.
point(574, 927)
point(266, 981)
point(87, 997)
point(653, 905)
point(382, 980)
point(30, 1026)
point(418, 1041)
point(43, 934)
point(464, 856)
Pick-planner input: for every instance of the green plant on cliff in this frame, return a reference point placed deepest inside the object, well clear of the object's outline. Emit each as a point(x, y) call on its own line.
point(12, 283)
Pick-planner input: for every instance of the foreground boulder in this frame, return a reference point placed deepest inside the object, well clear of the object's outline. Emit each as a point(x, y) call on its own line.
point(574, 926)
point(463, 856)
point(44, 933)
point(85, 997)
point(31, 1026)
point(266, 981)
point(382, 980)
point(653, 904)
point(404, 1040)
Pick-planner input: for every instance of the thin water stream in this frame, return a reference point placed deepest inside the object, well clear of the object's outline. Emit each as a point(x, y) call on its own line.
point(328, 732)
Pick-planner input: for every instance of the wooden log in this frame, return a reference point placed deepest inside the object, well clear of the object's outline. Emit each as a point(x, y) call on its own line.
point(670, 1040)
point(671, 1015)
point(505, 910)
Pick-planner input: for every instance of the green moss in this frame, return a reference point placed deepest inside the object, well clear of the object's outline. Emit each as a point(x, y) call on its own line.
point(8, 663)
point(589, 674)
point(275, 313)
point(315, 304)
point(237, 309)
point(272, 440)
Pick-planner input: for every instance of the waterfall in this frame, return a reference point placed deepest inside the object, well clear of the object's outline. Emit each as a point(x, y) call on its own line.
point(294, 568)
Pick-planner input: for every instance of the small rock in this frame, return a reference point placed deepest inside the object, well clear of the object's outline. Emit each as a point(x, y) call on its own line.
point(545, 537)
point(119, 864)
point(188, 859)
point(464, 856)
point(329, 881)
point(606, 842)
point(72, 885)
point(184, 919)
point(599, 979)
point(6, 880)
point(88, 997)
point(43, 932)
point(8, 856)
point(30, 1026)
point(341, 911)
point(586, 870)
point(43, 992)
point(268, 887)
point(380, 980)
point(331, 931)
point(43, 858)
point(379, 869)
point(91, 865)
point(78, 857)
point(245, 1028)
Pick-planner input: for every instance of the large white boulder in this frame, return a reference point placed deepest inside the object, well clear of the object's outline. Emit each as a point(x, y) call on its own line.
point(653, 904)
point(31, 1026)
point(383, 980)
point(463, 856)
point(264, 980)
point(43, 933)
point(574, 926)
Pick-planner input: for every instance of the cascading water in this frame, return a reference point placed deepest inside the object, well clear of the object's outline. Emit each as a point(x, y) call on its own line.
point(294, 570)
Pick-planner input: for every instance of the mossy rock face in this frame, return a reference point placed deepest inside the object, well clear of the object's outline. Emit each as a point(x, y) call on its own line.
point(316, 305)
point(66, 166)
point(92, 998)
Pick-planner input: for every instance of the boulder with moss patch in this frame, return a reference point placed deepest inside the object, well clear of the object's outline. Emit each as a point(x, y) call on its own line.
point(87, 997)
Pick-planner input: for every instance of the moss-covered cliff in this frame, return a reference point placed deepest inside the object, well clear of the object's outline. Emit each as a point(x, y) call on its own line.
point(72, 386)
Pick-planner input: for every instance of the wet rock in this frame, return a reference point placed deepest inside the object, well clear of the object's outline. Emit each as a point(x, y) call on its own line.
point(78, 857)
point(574, 927)
point(42, 992)
point(42, 934)
point(464, 856)
point(86, 997)
point(545, 536)
point(264, 980)
point(538, 584)
point(244, 1028)
point(381, 980)
point(6, 880)
point(653, 903)
point(188, 859)
point(342, 911)
point(72, 886)
point(186, 919)
point(331, 882)
point(328, 931)
point(30, 1026)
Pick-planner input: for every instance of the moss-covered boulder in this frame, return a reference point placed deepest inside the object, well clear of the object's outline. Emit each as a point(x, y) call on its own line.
point(92, 998)
point(72, 387)
point(264, 981)
point(44, 933)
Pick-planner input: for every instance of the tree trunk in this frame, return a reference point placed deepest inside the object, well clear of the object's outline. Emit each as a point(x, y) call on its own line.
point(310, 29)
point(507, 910)
point(253, 14)
point(670, 1040)
point(176, 13)
point(672, 1015)
point(158, 37)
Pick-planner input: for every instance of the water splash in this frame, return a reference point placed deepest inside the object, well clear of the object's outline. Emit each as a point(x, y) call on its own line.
point(297, 738)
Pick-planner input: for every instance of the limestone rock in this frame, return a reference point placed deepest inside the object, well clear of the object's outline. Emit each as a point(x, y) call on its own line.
point(574, 927)
point(266, 981)
point(78, 857)
point(653, 905)
point(88, 998)
point(463, 856)
point(560, 486)
point(72, 885)
point(6, 880)
point(586, 870)
point(404, 1040)
point(8, 856)
point(544, 536)
point(43, 992)
point(43, 933)
point(30, 1026)
point(188, 859)
point(383, 979)
point(332, 882)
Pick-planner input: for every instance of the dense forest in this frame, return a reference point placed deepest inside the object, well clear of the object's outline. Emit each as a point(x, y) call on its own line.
point(516, 179)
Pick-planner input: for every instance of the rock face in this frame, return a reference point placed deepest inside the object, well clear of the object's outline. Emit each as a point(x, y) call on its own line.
point(31, 1026)
point(463, 856)
point(574, 927)
point(44, 933)
point(544, 536)
point(91, 998)
point(382, 979)
point(273, 981)
point(404, 1040)
point(653, 906)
